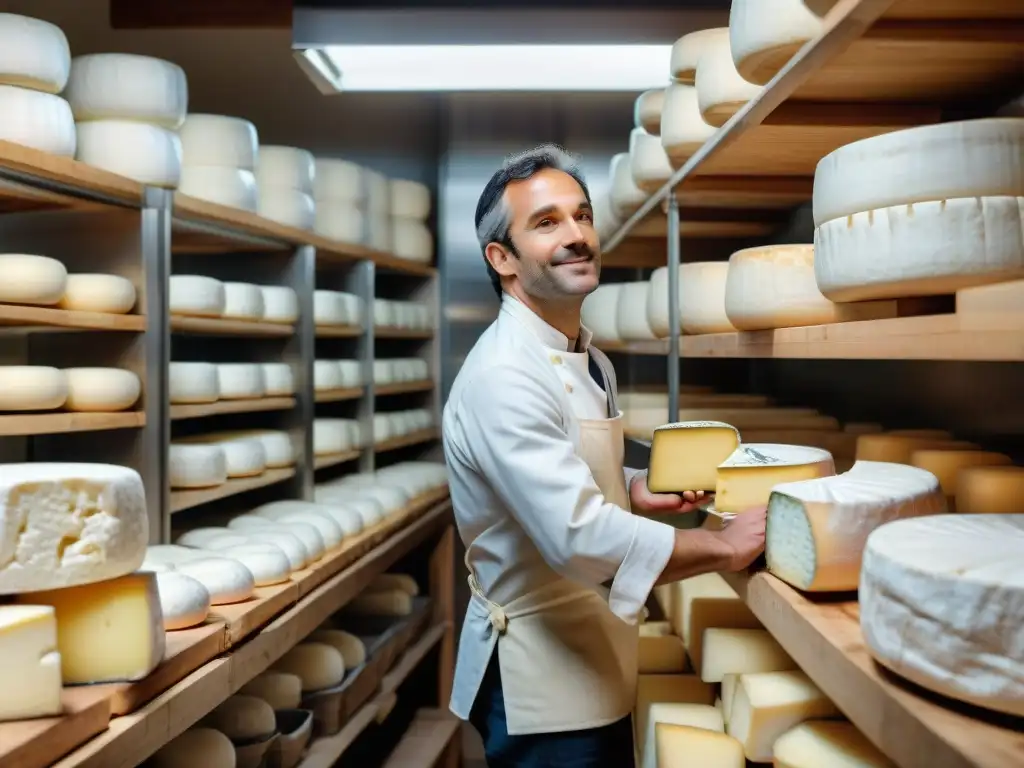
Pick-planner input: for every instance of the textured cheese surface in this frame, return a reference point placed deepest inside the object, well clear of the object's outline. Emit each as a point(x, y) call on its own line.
point(243, 301)
point(990, 490)
point(351, 648)
point(412, 240)
point(702, 297)
point(647, 161)
point(197, 295)
point(338, 220)
point(721, 89)
point(760, 28)
point(746, 479)
point(98, 293)
point(338, 180)
point(703, 602)
point(972, 158)
point(942, 604)
point(687, 50)
point(683, 130)
point(63, 525)
point(242, 718)
point(832, 743)
point(285, 168)
point(682, 746)
point(245, 458)
point(631, 312)
point(740, 652)
point(184, 600)
point(32, 388)
point(661, 654)
point(280, 304)
point(125, 86)
point(898, 448)
point(267, 563)
point(626, 196)
point(146, 153)
point(703, 716)
point(227, 580)
point(817, 529)
point(647, 110)
point(107, 632)
point(685, 456)
point(101, 389)
point(277, 379)
point(677, 689)
point(281, 690)
point(233, 187)
point(319, 665)
point(409, 200)
point(196, 748)
point(946, 465)
point(37, 120)
point(286, 206)
point(28, 654)
point(239, 381)
point(401, 581)
point(31, 279)
point(196, 466)
point(193, 383)
point(33, 53)
point(600, 312)
point(220, 141)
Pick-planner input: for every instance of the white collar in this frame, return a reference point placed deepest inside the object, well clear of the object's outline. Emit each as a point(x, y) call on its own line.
point(548, 335)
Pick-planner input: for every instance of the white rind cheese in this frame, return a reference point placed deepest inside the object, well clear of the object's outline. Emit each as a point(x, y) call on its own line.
point(341, 221)
point(286, 206)
point(683, 130)
point(98, 293)
point(832, 743)
point(648, 162)
point(412, 240)
point(278, 379)
point(31, 279)
point(625, 195)
point(243, 301)
point(721, 89)
point(197, 295)
point(37, 120)
point(104, 390)
point(148, 154)
point(631, 312)
point(687, 50)
point(245, 457)
point(28, 654)
point(817, 529)
point(232, 187)
point(746, 479)
point(267, 563)
point(702, 298)
point(227, 580)
point(193, 383)
point(34, 54)
point(764, 34)
point(647, 110)
point(285, 168)
point(184, 600)
point(239, 381)
point(196, 466)
point(220, 141)
point(32, 388)
point(280, 304)
point(600, 312)
point(340, 181)
point(125, 86)
point(409, 200)
point(942, 605)
point(972, 158)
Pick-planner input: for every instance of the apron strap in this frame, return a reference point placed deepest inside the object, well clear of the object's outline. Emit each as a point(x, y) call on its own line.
point(608, 376)
point(496, 614)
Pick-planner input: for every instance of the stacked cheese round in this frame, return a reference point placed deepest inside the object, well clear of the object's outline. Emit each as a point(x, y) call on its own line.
point(765, 35)
point(331, 308)
point(394, 424)
point(41, 388)
point(400, 369)
point(606, 221)
point(35, 62)
point(378, 210)
point(721, 89)
point(600, 312)
point(687, 50)
point(44, 281)
point(626, 196)
point(648, 162)
point(410, 208)
point(631, 312)
point(284, 181)
point(340, 192)
point(683, 128)
point(412, 315)
point(947, 217)
point(647, 111)
point(220, 156)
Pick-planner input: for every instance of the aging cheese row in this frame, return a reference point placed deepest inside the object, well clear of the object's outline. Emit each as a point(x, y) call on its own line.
point(42, 388)
point(44, 281)
point(201, 296)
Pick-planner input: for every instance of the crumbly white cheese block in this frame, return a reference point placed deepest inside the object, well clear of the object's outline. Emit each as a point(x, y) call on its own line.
point(702, 297)
point(947, 464)
point(817, 529)
point(721, 89)
point(196, 748)
point(764, 35)
point(98, 293)
point(681, 746)
point(412, 240)
point(196, 466)
point(707, 601)
point(683, 130)
point(942, 604)
point(30, 279)
point(340, 221)
point(920, 249)
point(835, 743)
point(898, 449)
point(239, 381)
point(679, 689)
point(967, 159)
point(33, 54)
point(661, 654)
point(768, 704)
point(685, 456)
point(990, 490)
point(280, 304)
point(227, 580)
point(243, 301)
point(193, 383)
point(409, 199)
point(339, 180)
point(125, 86)
point(625, 195)
point(740, 652)
point(746, 479)
point(600, 312)
point(267, 563)
point(278, 379)
point(351, 648)
point(32, 388)
point(631, 312)
point(101, 389)
point(647, 161)
point(197, 295)
point(286, 206)
point(393, 602)
point(285, 168)
point(319, 665)
point(146, 153)
point(687, 50)
point(184, 600)
point(219, 141)
point(28, 653)
point(37, 120)
point(242, 718)
point(63, 525)
point(281, 690)
point(233, 187)
point(702, 716)
point(647, 111)
point(110, 631)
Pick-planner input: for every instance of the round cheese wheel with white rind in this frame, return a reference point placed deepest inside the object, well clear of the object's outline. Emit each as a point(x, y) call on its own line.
point(378, 193)
point(219, 141)
point(687, 50)
point(307, 533)
point(197, 748)
point(921, 249)
point(647, 111)
point(287, 206)
point(990, 490)
point(239, 381)
point(169, 554)
point(326, 375)
point(351, 648)
point(267, 563)
point(702, 288)
point(278, 379)
point(942, 605)
point(278, 446)
point(329, 530)
point(972, 158)
point(647, 160)
point(232, 187)
point(296, 552)
point(34, 54)
point(152, 566)
point(329, 308)
point(227, 580)
point(245, 458)
point(320, 666)
point(606, 221)
point(184, 601)
point(721, 89)
point(32, 388)
point(351, 373)
point(285, 168)
point(764, 35)
point(30, 279)
point(37, 120)
point(281, 690)
point(600, 312)
point(197, 295)
point(631, 312)
point(383, 371)
point(683, 130)
point(412, 240)
point(339, 221)
point(192, 383)
point(146, 153)
point(243, 718)
point(125, 86)
point(280, 304)
point(112, 294)
point(347, 520)
point(626, 196)
point(370, 510)
point(196, 466)
point(338, 180)
point(243, 301)
point(409, 200)
point(657, 302)
point(382, 427)
point(331, 436)
point(101, 390)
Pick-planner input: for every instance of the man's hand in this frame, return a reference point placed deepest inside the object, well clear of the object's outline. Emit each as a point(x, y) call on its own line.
point(642, 500)
point(744, 535)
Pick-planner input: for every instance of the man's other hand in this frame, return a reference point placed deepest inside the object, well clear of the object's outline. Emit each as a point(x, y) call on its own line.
point(744, 535)
point(642, 500)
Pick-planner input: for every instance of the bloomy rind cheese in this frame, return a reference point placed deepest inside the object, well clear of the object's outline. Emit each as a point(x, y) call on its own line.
point(34, 54)
point(685, 456)
point(112, 294)
point(31, 279)
point(683, 129)
point(702, 298)
point(721, 89)
point(600, 312)
point(184, 601)
point(631, 314)
point(126, 86)
point(146, 153)
point(38, 120)
point(647, 161)
point(625, 195)
point(32, 388)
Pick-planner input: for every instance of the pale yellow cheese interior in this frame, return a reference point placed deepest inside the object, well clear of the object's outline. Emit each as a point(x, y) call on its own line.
point(742, 488)
point(686, 458)
point(683, 746)
point(658, 689)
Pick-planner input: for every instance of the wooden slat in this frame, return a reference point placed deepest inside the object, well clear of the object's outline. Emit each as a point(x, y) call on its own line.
point(403, 333)
point(334, 459)
point(75, 175)
point(413, 438)
point(339, 395)
point(58, 423)
point(218, 326)
point(404, 387)
point(338, 331)
point(189, 498)
point(220, 407)
point(17, 315)
point(425, 741)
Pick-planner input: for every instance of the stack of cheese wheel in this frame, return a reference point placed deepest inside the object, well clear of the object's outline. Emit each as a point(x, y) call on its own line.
point(702, 287)
point(625, 196)
point(42, 388)
point(414, 315)
point(411, 238)
point(606, 221)
point(721, 89)
point(127, 109)
point(35, 62)
point(388, 425)
point(948, 216)
point(648, 162)
point(333, 436)
point(220, 155)
point(403, 369)
point(284, 182)
point(333, 308)
point(647, 111)
point(339, 189)
point(763, 36)
point(378, 210)
point(683, 128)
point(600, 313)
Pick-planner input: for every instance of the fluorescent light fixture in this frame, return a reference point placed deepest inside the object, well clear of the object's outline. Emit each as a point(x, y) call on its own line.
point(492, 67)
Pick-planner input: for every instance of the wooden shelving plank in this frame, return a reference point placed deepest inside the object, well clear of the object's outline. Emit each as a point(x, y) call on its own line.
point(333, 459)
point(220, 407)
point(189, 498)
point(425, 741)
point(243, 619)
point(41, 742)
point(201, 225)
point(389, 263)
point(218, 326)
point(338, 331)
point(404, 387)
point(413, 438)
point(64, 319)
point(403, 333)
point(339, 395)
point(21, 424)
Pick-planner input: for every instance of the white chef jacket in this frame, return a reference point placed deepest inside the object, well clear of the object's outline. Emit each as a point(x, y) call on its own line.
point(525, 503)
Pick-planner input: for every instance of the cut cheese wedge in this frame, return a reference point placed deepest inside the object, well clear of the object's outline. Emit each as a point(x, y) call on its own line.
point(946, 466)
point(661, 654)
point(28, 654)
point(990, 490)
point(702, 716)
point(683, 746)
point(707, 601)
point(687, 50)
point(685, 456)
point(741, 651)
point(746, 479)
point(817, 529)
point(832, 743)
point(765, 34)
point(721, 89)
point(678, 689)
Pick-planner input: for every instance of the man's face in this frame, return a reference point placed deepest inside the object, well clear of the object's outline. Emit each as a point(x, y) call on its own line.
point(553, 232)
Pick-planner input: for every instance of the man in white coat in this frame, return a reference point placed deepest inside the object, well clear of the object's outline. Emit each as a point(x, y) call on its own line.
point(559, 565)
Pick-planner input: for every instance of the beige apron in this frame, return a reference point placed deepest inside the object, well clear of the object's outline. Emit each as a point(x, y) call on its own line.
point(567, 662)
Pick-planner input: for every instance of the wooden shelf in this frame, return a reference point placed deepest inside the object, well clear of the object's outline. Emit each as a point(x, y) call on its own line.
point(404, 441)
point(21, 424)
point(914, 729)
point(47, 318)
point(218, 326)
point(404, 387)
point(425, 741)
point(403, 333)
point(339, 395)
point(188, 498)
point(220, 407)
point(338, 331)
point(334, 459)
point(387, 263)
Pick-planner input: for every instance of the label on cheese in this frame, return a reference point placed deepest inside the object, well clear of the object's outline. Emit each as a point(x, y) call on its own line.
point(28, 655)
point(746, 479)
point(685, 456)
point(818, 743)
point(683, 746)
point(741, 651)
point(990, 490)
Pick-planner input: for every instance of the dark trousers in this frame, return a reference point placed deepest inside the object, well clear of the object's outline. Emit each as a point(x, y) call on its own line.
point(610, 746)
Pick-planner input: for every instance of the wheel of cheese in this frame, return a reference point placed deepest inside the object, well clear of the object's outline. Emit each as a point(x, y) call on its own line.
point(409, 200)
point(232, 187)
point(606, 220)
point(765, 35)
point(196, 466)
point(351, 373)
point(921, 249)
point(351, 648)
point(192, 383)
point(243, 301)
point(169, 554)
point(239, 381)
point(326, 375)
point(687, 50)
point(196, 748)
point(412, 240)
point(990, 490)
point(600, 312)
point(245, 457)
point(287, 206)
point(329, 308)
point(307, 534)
point(197, 295)
point(227, 580)
point(278, 379)
point(368, 509)
point(338, 220)
point(702, 288)
point(378, 193)
point(243, 718)
point(278, 446)
point(184, 601)
point(946, 465)
point(33, 54)
point(105, 390)
point(972, 158)
point(280, 304)
point(626, 196)
point(124, 86)
point(31, 279)
point(210, 539)
point(98, 293)
point(38, 120)
point(382, 428)
point(267, 563)
point(378, 228)
point(354, 307)
point(683, 130)
point(631, 312)
point(339, 181)
point(657, 302)
point(647, 161)
point(647, 111)
point(219, 141)
point(319, 665)
point(384, 313)
point(348, 521)
point(974, 562)
point(32, 388)
point(280, 690)
point(146, 153)
point(283, 168)
point(383, 372)
point(298, 554)
point(721, 90)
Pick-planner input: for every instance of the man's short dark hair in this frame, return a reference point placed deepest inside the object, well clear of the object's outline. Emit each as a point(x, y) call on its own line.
point(493, 219)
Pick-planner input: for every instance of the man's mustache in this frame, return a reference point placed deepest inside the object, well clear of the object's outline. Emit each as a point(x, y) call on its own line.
point(574, 252)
